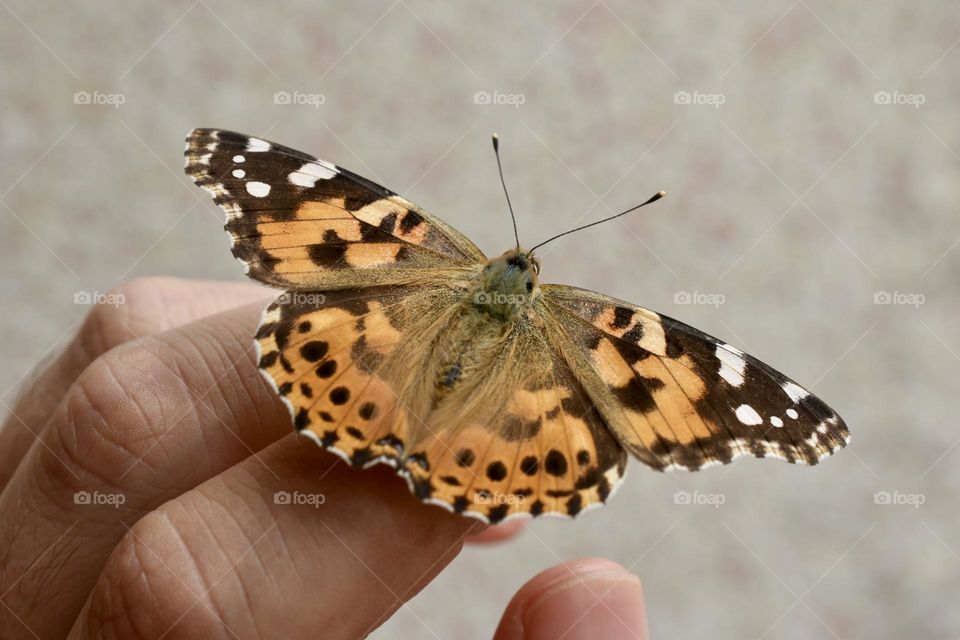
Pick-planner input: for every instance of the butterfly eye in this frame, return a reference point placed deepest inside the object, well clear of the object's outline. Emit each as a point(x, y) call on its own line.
point(529, 286)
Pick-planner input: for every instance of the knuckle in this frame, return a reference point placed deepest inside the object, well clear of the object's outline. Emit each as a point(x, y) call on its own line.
point(151, 587)
point(113, 415)
point(125, 312)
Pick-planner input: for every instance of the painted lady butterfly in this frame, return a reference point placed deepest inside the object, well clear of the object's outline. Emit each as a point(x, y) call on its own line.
point(398, 341)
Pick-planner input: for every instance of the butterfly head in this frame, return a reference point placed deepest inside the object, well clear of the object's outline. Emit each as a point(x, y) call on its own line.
point(507, 283)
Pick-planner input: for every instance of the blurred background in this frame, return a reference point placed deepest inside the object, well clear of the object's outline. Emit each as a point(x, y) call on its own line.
point(810, 151)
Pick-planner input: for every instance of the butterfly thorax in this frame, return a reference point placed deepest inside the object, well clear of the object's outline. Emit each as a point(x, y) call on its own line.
point(507, 285)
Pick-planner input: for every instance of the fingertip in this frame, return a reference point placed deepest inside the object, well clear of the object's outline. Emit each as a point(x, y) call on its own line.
point(586, 598)
point(498, 533)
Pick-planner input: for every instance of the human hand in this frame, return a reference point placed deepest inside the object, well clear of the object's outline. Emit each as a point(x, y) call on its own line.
point(144, 471)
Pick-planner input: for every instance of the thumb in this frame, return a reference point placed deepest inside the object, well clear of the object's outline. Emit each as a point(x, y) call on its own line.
point(586, 598)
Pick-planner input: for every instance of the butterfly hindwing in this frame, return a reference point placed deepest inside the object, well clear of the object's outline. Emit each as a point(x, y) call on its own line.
point(531, 444)
point(321, 351)
point(299, 222)
point(679, 398)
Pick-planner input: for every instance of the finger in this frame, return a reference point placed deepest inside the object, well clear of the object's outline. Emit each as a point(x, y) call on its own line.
point(334, 558)
point(498, 533)
point(145, 422)
point(587, 598)
point(139, 308)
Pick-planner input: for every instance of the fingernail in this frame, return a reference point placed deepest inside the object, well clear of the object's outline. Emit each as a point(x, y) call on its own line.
point(595, 600)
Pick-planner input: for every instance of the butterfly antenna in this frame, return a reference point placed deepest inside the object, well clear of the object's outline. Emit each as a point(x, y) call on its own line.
point(654, 198)
point(496, 152)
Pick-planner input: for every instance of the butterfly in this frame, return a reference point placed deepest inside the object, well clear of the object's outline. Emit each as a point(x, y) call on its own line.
point(397, 341)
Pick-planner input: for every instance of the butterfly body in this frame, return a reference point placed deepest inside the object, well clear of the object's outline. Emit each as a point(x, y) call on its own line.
point(397, 341)
point(508, 285)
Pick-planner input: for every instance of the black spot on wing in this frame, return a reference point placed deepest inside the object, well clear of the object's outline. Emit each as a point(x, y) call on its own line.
point(327, 369)
point(465, 457)
point(621, 318)
point(530, 465)
point(367, 410)
point(555, 463)
point(498, 513)
point(637, 394)
point(330, 256)
point(410, 221)
point(496, 471)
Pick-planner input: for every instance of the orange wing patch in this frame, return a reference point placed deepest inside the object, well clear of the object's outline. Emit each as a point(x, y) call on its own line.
point(322, 356)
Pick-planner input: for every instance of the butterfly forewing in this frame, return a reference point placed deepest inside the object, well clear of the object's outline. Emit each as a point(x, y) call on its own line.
point(678, 398)
point(299, 222)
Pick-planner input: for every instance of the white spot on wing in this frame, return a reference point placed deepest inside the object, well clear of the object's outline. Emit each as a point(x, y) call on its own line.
point(793, 414)
point(255, 145)
point(239, 173)
point(748, 415)
point(775, 421)
point(238, 159)
point(258, 189)
point(309, 173)
point(732, 365)
point(795, 391)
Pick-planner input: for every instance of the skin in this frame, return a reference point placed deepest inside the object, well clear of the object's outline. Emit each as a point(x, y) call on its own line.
point(156, 408)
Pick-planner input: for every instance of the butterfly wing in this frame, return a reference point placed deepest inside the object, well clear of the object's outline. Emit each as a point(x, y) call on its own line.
point(676, 397)
point(524, 440)
point(323, 352)
point(482, 422)
point(297, 222)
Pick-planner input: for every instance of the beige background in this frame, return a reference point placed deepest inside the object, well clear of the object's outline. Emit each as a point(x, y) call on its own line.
point(794, 203)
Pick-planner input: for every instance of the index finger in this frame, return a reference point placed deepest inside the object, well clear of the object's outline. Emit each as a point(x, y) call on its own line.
point(141, 307)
